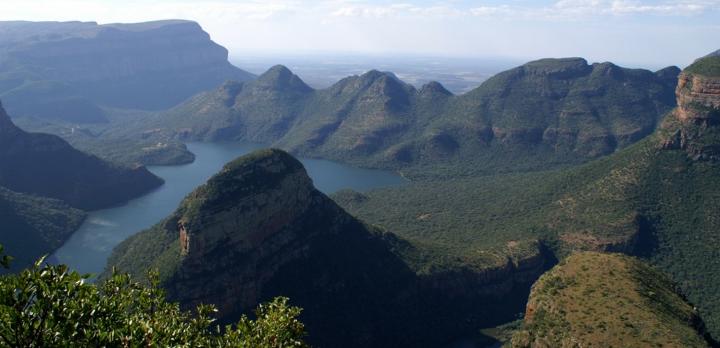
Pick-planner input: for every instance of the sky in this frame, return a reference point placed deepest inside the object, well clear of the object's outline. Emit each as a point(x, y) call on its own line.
point(632, 32)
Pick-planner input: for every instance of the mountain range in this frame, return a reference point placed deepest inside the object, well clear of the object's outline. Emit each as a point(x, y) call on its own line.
point(551, 111)
point(655, 199)
point(553, 164)
point(463, 252)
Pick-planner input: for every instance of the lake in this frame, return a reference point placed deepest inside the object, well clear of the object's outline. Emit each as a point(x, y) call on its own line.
point(88, 248)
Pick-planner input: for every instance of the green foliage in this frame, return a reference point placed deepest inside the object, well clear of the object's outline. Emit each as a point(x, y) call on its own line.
point(707, 66)
point(50, 306)
point(34, 226)
point(4, 259)
point(601, 299)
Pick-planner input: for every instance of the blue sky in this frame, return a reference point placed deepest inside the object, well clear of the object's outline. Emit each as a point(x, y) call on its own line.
point(631, 32)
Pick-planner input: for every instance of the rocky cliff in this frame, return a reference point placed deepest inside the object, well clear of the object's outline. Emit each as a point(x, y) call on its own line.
point(594, 299)
point(693, 126)
point(259, 229)
point(77, 67)
point(46, 165)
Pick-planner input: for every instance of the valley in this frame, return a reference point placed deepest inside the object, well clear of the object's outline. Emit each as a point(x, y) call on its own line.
point(555, 203)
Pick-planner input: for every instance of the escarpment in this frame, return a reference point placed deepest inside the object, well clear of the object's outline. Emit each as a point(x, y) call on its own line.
point(71, 70)
point(694, 126)
point(697, 97)
point(259, 229)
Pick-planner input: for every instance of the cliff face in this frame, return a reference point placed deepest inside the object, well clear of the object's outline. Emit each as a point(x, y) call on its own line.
point(697, 96)
point(259, 229)
point(607, 300)
point(694, 126)
point(79, 66)
point(46, 165)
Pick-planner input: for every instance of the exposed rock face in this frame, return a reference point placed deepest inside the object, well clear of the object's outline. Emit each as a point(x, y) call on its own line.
point(594, 299)
point(260, 229)
point(46, 165)
point(697, 97)
point(76, 67)
point(695, 123)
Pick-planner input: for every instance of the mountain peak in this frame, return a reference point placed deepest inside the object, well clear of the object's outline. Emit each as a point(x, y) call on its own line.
point(280, 77)
point(668, 73)
point(246, 182)
point(561, 67)
point(433, 88)
point(372, 75)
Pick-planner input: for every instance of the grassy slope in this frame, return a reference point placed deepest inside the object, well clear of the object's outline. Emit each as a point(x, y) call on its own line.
point(608, 300)
point(707, 66)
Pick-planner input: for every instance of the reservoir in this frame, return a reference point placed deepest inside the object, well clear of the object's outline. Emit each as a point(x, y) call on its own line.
point(88, 248)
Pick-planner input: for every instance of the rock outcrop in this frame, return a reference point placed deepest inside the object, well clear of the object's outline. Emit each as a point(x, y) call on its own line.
point(46, 165)
point(694, 126)
point(260, 229)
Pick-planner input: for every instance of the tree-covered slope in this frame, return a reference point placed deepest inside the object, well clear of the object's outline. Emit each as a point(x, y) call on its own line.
point(73, 70)
point(544, 113)
point(33, 226)
point(657, 199)
point(259, 229)
point(608, 300)
point(46, 165)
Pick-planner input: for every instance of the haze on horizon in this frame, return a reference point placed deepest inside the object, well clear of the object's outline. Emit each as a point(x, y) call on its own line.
point(631, 32)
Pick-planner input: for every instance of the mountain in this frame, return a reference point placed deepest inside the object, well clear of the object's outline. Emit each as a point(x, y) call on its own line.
point(34, 226)
point(546, 112)
point(595, 299)
point(73, 70)
point(656, 199)
point(46, 165)
point(259, 229)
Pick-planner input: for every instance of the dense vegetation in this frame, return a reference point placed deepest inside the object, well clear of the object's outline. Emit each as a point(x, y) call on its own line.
point(34, 226)
point(707, 66)
point(259, 229)
point(115, 145)
point(51, 306)
point(608, 300)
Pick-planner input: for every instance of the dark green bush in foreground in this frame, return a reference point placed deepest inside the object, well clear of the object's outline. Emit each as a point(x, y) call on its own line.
point(50, 306)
